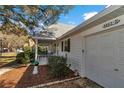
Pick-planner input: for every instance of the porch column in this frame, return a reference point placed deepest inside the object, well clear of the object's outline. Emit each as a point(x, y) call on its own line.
point(35, 70)
point(36, 49)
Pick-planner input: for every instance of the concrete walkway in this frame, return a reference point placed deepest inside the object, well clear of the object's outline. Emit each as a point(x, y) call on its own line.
point(5, 69)
point(42, 61)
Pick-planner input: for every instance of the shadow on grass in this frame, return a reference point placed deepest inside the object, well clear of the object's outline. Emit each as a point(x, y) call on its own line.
point(7, 56)
point(9, 62)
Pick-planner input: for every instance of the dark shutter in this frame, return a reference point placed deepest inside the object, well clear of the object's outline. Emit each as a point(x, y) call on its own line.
point(62, 46)
point(65, 45)
point(68, 45)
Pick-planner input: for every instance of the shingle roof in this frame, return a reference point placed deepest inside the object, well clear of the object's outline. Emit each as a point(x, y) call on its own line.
point(60, 28)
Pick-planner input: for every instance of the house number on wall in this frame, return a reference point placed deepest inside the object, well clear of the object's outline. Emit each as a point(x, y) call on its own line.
point(116, 21)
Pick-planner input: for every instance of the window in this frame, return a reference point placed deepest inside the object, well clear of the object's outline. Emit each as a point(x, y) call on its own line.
point(67, 45)
point(54, 48)
point(62, 46)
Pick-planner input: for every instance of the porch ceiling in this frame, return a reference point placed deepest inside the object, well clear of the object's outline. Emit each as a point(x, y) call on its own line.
point(45, 40)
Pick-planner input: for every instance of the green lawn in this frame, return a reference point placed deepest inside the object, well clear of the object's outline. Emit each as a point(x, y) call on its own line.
point(11, 54)
point(6, 58)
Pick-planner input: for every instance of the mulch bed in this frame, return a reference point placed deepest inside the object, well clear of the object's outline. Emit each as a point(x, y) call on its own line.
point(22, 77)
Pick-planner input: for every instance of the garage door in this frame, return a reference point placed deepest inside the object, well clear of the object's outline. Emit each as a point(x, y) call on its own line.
point(105, 58)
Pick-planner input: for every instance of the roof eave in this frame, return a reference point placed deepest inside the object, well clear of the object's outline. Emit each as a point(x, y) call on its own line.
point(92, 19)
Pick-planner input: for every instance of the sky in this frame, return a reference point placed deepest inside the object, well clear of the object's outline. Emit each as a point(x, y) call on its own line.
point(81, 13)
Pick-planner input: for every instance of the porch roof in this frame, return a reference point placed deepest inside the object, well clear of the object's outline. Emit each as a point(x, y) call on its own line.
point(45, 38)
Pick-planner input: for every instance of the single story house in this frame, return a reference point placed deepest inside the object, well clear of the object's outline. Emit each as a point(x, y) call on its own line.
point(95, 48)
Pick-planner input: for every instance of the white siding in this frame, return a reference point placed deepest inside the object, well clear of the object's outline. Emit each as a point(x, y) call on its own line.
point(105, 58)
point(74, 57)
point(100, 28)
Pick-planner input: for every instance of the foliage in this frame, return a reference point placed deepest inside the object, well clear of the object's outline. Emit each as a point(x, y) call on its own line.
point(20, 58)
point(10, 28)
point(42, 50)
point(26, 56)
point(27, 50)
point(13, 42)
point(32, 16)
point(32, 56)
point(59, 68)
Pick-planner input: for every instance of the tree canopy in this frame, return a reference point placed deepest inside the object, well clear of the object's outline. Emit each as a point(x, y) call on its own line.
point(31, 17)
point(17, 22)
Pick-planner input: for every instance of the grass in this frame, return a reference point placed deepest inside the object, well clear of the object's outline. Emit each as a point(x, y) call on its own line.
point(6, 58)
point(11, 54)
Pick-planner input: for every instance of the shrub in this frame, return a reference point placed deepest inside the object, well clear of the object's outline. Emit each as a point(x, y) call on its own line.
point(42, 50)
point(58, 66)
point(32, 56)
point(29, 53)
point(19, 57)
point(27, 50)
point(26, 56)
point(22, 58)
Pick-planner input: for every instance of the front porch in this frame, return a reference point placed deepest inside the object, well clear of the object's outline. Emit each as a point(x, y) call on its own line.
point(46, 42)
point(43, 60)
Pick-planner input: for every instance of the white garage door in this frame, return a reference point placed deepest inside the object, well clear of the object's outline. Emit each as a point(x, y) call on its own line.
point(105, 58)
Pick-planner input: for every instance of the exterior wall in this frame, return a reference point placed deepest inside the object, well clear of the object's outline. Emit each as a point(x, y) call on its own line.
point(100, 28)
point(74, 57)
point(104, 53)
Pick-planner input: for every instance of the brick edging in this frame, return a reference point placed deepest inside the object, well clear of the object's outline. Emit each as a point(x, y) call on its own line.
point(55, 82)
